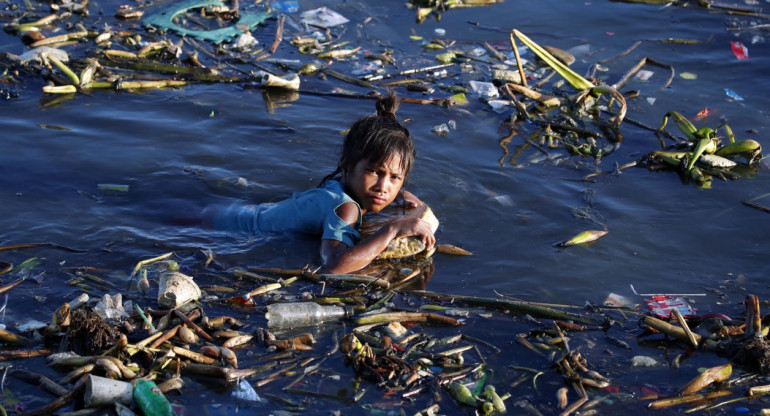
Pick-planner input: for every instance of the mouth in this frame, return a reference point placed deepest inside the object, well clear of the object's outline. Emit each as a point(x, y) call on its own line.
point(378, 200)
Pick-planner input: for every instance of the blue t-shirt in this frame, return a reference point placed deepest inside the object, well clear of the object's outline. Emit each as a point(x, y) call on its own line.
point(312, 212)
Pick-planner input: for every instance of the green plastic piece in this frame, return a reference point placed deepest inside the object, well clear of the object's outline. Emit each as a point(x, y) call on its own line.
point(165, 21)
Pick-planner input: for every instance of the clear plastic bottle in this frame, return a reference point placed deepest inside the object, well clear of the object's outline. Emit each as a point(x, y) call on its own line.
point(291, 315)
point(150, 400)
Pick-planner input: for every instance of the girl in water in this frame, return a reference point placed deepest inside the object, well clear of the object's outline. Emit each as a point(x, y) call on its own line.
point(377, 156)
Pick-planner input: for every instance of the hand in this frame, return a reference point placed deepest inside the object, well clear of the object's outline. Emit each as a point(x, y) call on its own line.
point(418, 228)
point(412, 201)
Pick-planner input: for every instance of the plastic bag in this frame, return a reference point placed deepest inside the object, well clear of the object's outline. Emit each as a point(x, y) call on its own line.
point(322, 17)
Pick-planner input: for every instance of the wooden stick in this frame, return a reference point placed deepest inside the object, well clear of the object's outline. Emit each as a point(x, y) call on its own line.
point(685, 327)
point(32, 245)
point(8, 337)
point(753, 318)
point(165, 337)
point(518, 61)
point(40, 380)
point(193, 325)
point(62, 401)
point(756, 206)
point(408, 317)
point(548, 100)
point(192, 355)
point(10, 286)
point(14, 355)
point(518, 307)
point(278, 34)
point(669, 329)
point(499, 56)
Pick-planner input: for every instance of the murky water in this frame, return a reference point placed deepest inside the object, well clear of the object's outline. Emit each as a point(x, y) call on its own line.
point(180, 150)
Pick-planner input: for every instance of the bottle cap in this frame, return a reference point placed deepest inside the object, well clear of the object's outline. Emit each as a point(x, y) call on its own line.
point(349, 311)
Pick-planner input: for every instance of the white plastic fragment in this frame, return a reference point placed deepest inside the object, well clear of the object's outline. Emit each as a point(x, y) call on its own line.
point(484, 89)
point(244, 391)
point(289, 82)
point(322, 17)
point(498, 106)
point(245, 41)
point(79, 301)
point(30, 325)
point(644, 75)
point(177, 289)
point(643, 361)
point(111, 307)
point(441, 130)
point(34, 54)
point(395, 330)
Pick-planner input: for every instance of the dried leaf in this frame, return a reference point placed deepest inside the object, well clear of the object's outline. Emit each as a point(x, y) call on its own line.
point(584, 238)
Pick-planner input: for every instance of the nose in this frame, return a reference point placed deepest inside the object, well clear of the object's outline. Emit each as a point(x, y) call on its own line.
point(382, 183)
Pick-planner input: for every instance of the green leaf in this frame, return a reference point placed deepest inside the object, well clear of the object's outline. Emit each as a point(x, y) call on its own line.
point(571, 76)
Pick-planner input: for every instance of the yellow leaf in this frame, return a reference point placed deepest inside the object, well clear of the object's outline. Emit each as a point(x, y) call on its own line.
point(584, 238)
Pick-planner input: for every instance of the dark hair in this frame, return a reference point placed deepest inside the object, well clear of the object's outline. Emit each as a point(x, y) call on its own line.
point(377, 138)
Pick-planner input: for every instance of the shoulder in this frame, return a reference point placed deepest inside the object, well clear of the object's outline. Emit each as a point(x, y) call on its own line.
point(348, 212)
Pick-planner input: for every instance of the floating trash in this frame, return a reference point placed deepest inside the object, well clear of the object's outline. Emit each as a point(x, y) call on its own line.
point(165, 21)
point(484, 89)
point(740, 51)
point(732, 94)
point(322, 17)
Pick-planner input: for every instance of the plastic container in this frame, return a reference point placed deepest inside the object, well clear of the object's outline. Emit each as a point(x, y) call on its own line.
point(292, 315)
point(151, 400)
point(102, 391)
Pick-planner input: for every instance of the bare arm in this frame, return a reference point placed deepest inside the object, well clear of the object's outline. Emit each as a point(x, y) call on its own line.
point(411, 200)
point(340, 258)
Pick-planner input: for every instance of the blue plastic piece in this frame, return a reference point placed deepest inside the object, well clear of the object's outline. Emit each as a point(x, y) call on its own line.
point(165, 21)
point(730, 93)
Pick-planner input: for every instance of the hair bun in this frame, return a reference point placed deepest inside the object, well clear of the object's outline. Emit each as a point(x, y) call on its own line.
point(388, 105)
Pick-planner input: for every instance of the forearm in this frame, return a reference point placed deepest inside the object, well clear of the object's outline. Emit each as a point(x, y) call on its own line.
point(359, 256)
point(409, 197)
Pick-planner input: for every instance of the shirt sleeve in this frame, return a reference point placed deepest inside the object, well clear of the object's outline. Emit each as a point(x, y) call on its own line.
point(334, 228)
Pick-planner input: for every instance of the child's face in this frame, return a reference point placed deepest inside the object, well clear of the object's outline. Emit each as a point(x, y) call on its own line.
point(375, 186)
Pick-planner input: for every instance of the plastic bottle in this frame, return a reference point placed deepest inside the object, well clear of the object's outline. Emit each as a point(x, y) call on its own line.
point(151, 400)
point(290, 315)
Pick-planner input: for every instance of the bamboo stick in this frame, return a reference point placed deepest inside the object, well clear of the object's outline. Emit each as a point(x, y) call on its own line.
point(40, 380)
point(519, 307)
point(228, 374)
point(193, 325)
point(408, 317)
point(548, 100)
point(278, 34)
point(686, 328)
point(11, 285)
point(7, 337)
point(59, 39)
point(14, 355)
point(165, 337)
point(669, 329)
point(753, 318)
point(192, 355)
point(518, 60)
